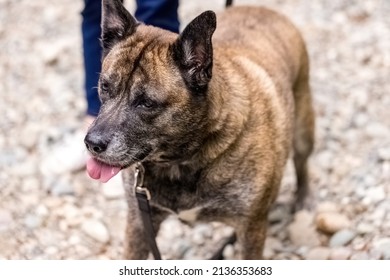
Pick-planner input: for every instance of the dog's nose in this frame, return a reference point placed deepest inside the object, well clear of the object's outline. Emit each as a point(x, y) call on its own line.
point(94, 144)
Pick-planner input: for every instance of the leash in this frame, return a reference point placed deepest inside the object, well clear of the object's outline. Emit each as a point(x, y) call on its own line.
point(228, 3)
point(143, 197)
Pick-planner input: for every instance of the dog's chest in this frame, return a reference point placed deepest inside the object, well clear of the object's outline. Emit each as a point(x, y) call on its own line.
point(175, 189)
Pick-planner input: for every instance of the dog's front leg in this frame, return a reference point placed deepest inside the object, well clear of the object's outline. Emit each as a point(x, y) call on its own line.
point(136, 244)
point(135, 247)
point(252, 236)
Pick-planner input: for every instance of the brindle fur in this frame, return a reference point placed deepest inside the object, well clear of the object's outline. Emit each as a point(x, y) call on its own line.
point(212, 120)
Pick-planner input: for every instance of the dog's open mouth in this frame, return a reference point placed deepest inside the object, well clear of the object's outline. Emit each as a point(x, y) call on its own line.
point(101, 171)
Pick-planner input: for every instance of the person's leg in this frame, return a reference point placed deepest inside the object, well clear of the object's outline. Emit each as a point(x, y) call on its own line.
point(92, 52)
point(160, 13)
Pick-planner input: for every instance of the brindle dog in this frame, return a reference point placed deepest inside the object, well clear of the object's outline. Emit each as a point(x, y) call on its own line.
point(212, 116)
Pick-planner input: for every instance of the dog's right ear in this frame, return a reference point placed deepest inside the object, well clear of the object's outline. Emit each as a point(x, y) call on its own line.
point(117, 23)
point(193, 51)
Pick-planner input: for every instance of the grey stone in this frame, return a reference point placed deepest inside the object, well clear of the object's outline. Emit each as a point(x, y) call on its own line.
point(342, 238)
point(97, 230)
point(383, 245)
point(32, 221)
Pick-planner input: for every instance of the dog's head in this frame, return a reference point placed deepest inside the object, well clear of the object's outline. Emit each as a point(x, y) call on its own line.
point(153, 88)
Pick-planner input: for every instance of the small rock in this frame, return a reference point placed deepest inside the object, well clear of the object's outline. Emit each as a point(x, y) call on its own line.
point(229, 252)
point(360, 256)
point(29, 136)
point(377, 130)
point(51, 250)
point(376, 194)
point(318, 253)
point(384, 154)
point(74, 240)
point(332, 222)
point(10, 157)
point(32, 221)
point(375, 254)
point(327, 206)
point(97, 230)
point(325, 159)
point(360, 120)
point(268, 253)
point(42, 211)
point(301, 230)
point(25, 168)
point(383, 245)
point(179, 249)
point(6, 220)
point(114, 188)
point(198, 238)
point(359, 244)
point(58, 160)
point(59, 185)
point(364, 228)
point(342, 237)
point(30, 184)
point(340, 253)
point(273, 243)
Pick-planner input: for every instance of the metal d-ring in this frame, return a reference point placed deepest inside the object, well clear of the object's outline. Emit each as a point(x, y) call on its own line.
point(139, 181)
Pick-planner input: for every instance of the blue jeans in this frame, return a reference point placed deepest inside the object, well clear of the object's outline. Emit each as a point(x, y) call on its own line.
point(160, 13)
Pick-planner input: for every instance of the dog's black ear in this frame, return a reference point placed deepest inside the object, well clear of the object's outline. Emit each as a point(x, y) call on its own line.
point(193, 51)
point(117, 23)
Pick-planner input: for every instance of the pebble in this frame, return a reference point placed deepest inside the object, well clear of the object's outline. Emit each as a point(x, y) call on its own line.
point(59, 186)
point(360, 256)
point(332, 222)
point(376, 194)
point(32, 221)
point(377, 130)
point(383, 245)
point(318, 253)
point(114, 189)
point(342, 238)
point(273, 243)
point(25, 168)
point(384, 154)
point(229, 252)
point(97, 230)
point(6, 220)
point(364, 228)
point(340, 253)
point(325, 159)
point(327, 206)
point(302, 231)
point(375, 254)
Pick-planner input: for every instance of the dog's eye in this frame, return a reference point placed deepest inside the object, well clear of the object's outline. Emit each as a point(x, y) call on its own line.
point(143, 102)
point(104, 86)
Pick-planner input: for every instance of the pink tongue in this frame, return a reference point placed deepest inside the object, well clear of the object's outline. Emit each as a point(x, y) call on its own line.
point(101, 171)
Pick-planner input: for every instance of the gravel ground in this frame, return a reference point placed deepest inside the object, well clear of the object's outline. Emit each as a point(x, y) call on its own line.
point(69, 216)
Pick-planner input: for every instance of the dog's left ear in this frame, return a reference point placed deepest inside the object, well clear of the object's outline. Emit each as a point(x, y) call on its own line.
point(117, 23)
point(193, 51)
